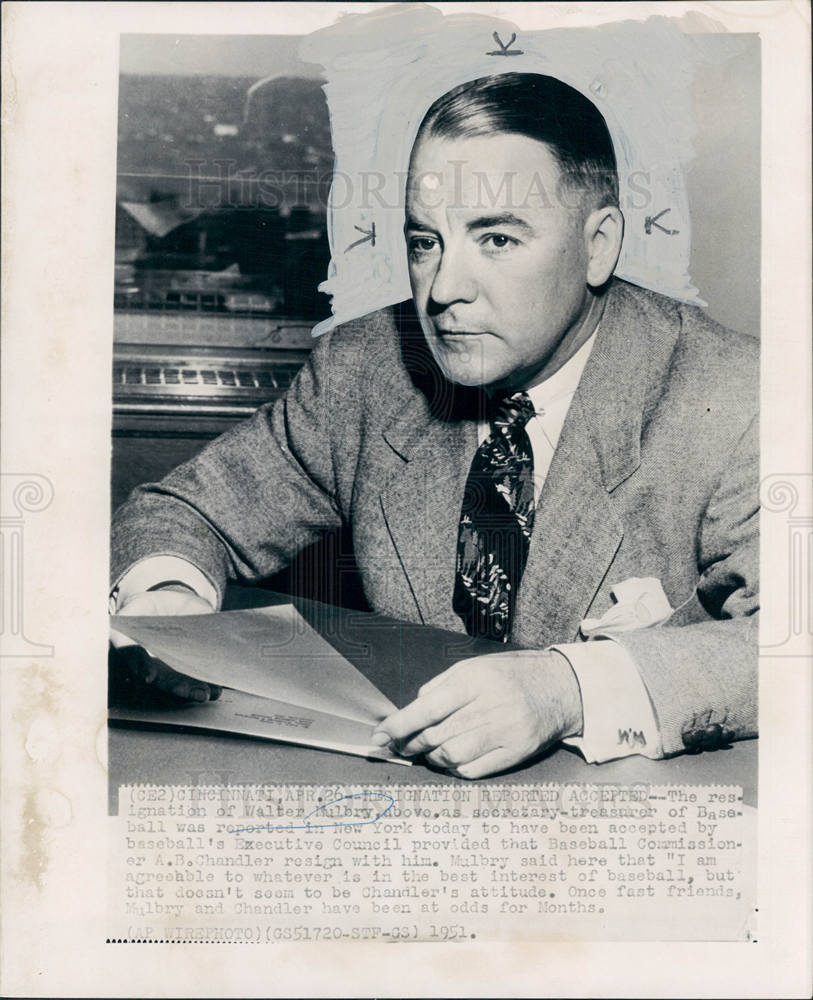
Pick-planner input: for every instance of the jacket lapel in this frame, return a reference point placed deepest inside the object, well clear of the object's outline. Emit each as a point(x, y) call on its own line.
point(576, 534)
point(578, 525)
point(421, 505)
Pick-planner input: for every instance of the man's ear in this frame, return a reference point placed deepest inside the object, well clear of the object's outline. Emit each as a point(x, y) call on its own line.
point(603, 235)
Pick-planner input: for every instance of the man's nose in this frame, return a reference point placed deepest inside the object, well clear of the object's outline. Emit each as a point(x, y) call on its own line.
point(453, 281)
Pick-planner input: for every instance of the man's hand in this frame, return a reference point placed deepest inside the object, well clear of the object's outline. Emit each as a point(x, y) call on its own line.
point(175, 599)
point(487, 713)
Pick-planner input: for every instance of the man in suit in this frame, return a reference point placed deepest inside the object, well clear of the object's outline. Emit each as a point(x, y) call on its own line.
point(527, 435)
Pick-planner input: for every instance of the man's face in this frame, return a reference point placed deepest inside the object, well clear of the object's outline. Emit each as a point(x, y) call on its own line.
point(497, 260)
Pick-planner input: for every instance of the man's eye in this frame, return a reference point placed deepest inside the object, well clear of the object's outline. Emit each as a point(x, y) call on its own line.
point(498, 241)
point(422, 244)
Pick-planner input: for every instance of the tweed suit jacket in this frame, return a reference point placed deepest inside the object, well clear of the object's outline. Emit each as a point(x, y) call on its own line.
point(655, 474)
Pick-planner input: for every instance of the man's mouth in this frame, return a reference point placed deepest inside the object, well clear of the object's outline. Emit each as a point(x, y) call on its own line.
point(459, 333)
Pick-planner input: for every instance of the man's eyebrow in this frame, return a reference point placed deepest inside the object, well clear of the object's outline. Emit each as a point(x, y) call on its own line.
point(413, 223)
point(503, 219)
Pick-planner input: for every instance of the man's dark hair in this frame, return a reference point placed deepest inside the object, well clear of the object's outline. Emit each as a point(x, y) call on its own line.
point(538, 107)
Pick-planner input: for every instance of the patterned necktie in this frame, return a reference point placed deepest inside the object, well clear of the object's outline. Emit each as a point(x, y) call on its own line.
point(496, 521)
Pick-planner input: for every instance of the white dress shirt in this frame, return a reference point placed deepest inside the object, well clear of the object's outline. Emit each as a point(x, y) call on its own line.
point(619, 718)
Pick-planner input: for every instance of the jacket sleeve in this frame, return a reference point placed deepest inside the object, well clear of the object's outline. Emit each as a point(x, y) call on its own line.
point(702, 678)
point(252, 498)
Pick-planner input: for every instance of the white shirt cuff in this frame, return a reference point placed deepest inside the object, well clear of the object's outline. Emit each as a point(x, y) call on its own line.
point(161, 569)
point(619, 718)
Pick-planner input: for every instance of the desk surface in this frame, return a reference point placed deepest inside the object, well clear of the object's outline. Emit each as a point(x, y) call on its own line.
point(398, 657)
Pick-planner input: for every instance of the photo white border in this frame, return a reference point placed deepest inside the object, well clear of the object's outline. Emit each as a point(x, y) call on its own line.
point(60, 72)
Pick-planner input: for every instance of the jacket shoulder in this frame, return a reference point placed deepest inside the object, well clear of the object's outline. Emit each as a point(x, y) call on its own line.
point(369, 360)
point(371, 334)
point(708, 357)
point(363, 345)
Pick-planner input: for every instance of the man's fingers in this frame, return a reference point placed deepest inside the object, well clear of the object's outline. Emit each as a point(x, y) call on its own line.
point(157, 674)
point(181, 686)
point(192, 690)
point(138, 661)
point(424, 711)
point(464, 747)
point(489, 763)
point(433, 736)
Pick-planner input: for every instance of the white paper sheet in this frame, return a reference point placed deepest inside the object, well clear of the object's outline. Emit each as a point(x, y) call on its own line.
point(271, 652)
point(249, 715)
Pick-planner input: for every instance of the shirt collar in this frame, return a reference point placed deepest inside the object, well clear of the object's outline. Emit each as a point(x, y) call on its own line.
point(565, 381)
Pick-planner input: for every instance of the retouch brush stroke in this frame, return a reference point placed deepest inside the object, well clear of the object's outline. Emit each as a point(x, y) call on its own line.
point(385, 68)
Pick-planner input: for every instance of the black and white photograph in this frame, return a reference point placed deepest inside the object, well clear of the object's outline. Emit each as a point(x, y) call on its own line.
point(452, 349)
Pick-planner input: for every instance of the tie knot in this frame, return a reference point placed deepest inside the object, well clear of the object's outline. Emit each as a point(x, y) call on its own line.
point(516, 409)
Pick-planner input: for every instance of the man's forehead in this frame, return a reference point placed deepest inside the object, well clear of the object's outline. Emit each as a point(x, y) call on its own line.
point(501, 171)
point(495, 154)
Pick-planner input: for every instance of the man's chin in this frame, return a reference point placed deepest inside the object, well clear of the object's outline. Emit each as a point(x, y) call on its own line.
point(468, 377)
point(467, 368)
